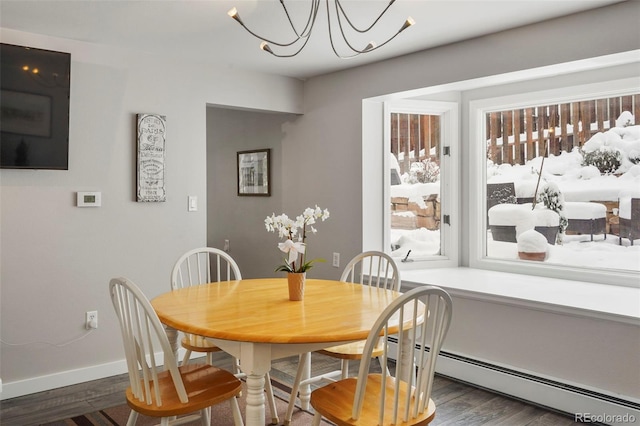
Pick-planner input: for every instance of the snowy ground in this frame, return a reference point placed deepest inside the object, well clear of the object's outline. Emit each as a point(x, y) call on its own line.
point(576, 182)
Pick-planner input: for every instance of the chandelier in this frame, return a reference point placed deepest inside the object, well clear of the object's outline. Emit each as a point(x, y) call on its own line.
point(301, 38)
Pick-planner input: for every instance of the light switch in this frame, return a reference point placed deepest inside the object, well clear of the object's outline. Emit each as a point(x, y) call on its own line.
point(193, 203)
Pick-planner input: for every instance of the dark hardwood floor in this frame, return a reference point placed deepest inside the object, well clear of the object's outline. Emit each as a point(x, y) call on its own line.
point(457, 403)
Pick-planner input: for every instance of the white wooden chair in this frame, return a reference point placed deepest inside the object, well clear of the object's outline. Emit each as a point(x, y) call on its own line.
point(165, 390)
point(383, 399)
point(201, 266)
point(373, 268)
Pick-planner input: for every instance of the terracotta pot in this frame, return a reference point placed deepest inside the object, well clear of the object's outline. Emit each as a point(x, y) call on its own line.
point(296, 285)
point(539, 256)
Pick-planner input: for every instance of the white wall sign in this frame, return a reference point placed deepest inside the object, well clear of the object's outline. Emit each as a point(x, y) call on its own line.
point(151, 129)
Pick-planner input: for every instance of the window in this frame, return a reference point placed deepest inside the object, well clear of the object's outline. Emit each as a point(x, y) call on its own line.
point(420, 223)
point(558, 166)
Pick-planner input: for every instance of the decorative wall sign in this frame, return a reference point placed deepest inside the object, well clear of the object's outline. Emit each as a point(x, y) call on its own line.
point(151, 145)
point(254, 172)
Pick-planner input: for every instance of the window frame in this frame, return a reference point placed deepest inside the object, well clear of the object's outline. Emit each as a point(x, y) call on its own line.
point(449, 177)
point(477, 187)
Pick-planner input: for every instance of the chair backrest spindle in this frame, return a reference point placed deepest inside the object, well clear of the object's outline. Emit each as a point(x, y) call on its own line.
point(425, 313)
point(203, 265)
point(143, 336)
point(373, 268)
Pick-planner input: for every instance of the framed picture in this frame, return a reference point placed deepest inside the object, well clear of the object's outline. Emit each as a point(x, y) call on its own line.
point(254, 172)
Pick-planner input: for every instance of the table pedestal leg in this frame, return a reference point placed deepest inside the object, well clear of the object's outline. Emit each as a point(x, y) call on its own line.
point(406, 358)
point(255, 400)
point(172, 335)
point(305, 389)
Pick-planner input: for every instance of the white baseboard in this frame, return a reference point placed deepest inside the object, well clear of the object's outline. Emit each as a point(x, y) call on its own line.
point(66, 378)
point(568, 398)
point(541, 391)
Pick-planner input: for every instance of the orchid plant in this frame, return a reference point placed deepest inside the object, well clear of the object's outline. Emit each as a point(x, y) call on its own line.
point(294, 233)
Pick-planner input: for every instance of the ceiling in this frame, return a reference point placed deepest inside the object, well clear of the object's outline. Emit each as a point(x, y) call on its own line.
point(202, 31)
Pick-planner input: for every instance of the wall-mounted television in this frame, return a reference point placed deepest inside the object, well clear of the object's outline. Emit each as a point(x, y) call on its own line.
point(34, 108)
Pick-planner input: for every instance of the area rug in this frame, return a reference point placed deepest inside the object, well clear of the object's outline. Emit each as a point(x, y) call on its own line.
point(220, 414)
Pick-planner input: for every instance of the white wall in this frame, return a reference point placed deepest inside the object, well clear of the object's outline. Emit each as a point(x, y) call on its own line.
point(57, 259)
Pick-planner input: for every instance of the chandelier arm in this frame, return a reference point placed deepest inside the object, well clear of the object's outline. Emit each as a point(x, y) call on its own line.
point(306, 40)
point(333, 47)
point(306, 32)
point(340, 9)
point(382, 44)
point(266, 39)
point(308, 29)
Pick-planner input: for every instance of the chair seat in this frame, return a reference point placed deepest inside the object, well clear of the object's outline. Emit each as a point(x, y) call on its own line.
point(205, 386)
point(335, 402)
point(351, 350)
point(195, 343)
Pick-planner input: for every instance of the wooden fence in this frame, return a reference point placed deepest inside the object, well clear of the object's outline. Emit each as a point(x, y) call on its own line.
point(415, 137)
point(529, 132)
point(537, 131)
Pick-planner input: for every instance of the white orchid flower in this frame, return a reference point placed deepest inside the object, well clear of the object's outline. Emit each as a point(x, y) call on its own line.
point(292, 248)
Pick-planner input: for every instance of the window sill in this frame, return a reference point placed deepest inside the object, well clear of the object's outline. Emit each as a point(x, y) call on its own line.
point(613, 303)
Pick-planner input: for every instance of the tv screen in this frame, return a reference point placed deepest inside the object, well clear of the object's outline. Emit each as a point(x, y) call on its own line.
point(34, 108)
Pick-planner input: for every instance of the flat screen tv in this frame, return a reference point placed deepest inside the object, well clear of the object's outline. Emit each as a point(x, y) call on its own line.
point(34, 108)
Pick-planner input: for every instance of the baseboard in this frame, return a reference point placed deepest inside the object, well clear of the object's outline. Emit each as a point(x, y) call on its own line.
point(66, 378)
point(582, 404)
point(567, 398)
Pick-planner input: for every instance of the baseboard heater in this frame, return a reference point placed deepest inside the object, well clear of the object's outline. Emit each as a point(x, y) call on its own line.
point(574, 401)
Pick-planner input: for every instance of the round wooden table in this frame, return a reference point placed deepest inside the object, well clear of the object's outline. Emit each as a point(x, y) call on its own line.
point(254, 321)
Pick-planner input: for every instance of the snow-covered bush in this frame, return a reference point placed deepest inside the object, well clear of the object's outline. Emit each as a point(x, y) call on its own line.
point(625, 119)
point(588, 172)
point(619, 145)
point(553, 199)
point(607, 160)
point(634, 156)
point(425, 171)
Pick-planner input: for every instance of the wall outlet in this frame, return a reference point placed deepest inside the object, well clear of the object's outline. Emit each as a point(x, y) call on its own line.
point(336, 260)
point(226, 248)
point(91, 320)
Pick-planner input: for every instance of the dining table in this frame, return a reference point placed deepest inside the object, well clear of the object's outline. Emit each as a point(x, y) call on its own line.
point(254, 321)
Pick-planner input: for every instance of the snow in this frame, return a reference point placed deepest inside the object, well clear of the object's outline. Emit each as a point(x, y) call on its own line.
point(625, 202)
point(532, 241)
point(582, 210)
point(518, 215)
point(577, 183)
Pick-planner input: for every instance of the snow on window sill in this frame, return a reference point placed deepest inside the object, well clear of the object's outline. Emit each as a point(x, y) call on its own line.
point(614, 303)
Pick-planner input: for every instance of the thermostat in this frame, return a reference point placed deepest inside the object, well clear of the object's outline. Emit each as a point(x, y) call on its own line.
point(89, 199)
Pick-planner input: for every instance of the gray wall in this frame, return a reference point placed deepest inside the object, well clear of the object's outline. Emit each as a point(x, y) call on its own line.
point(57, 259)
point(240, 219)
point(322, 163)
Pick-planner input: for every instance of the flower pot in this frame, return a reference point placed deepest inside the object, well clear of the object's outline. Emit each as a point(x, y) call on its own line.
point(539, 256)
point(296, 285)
